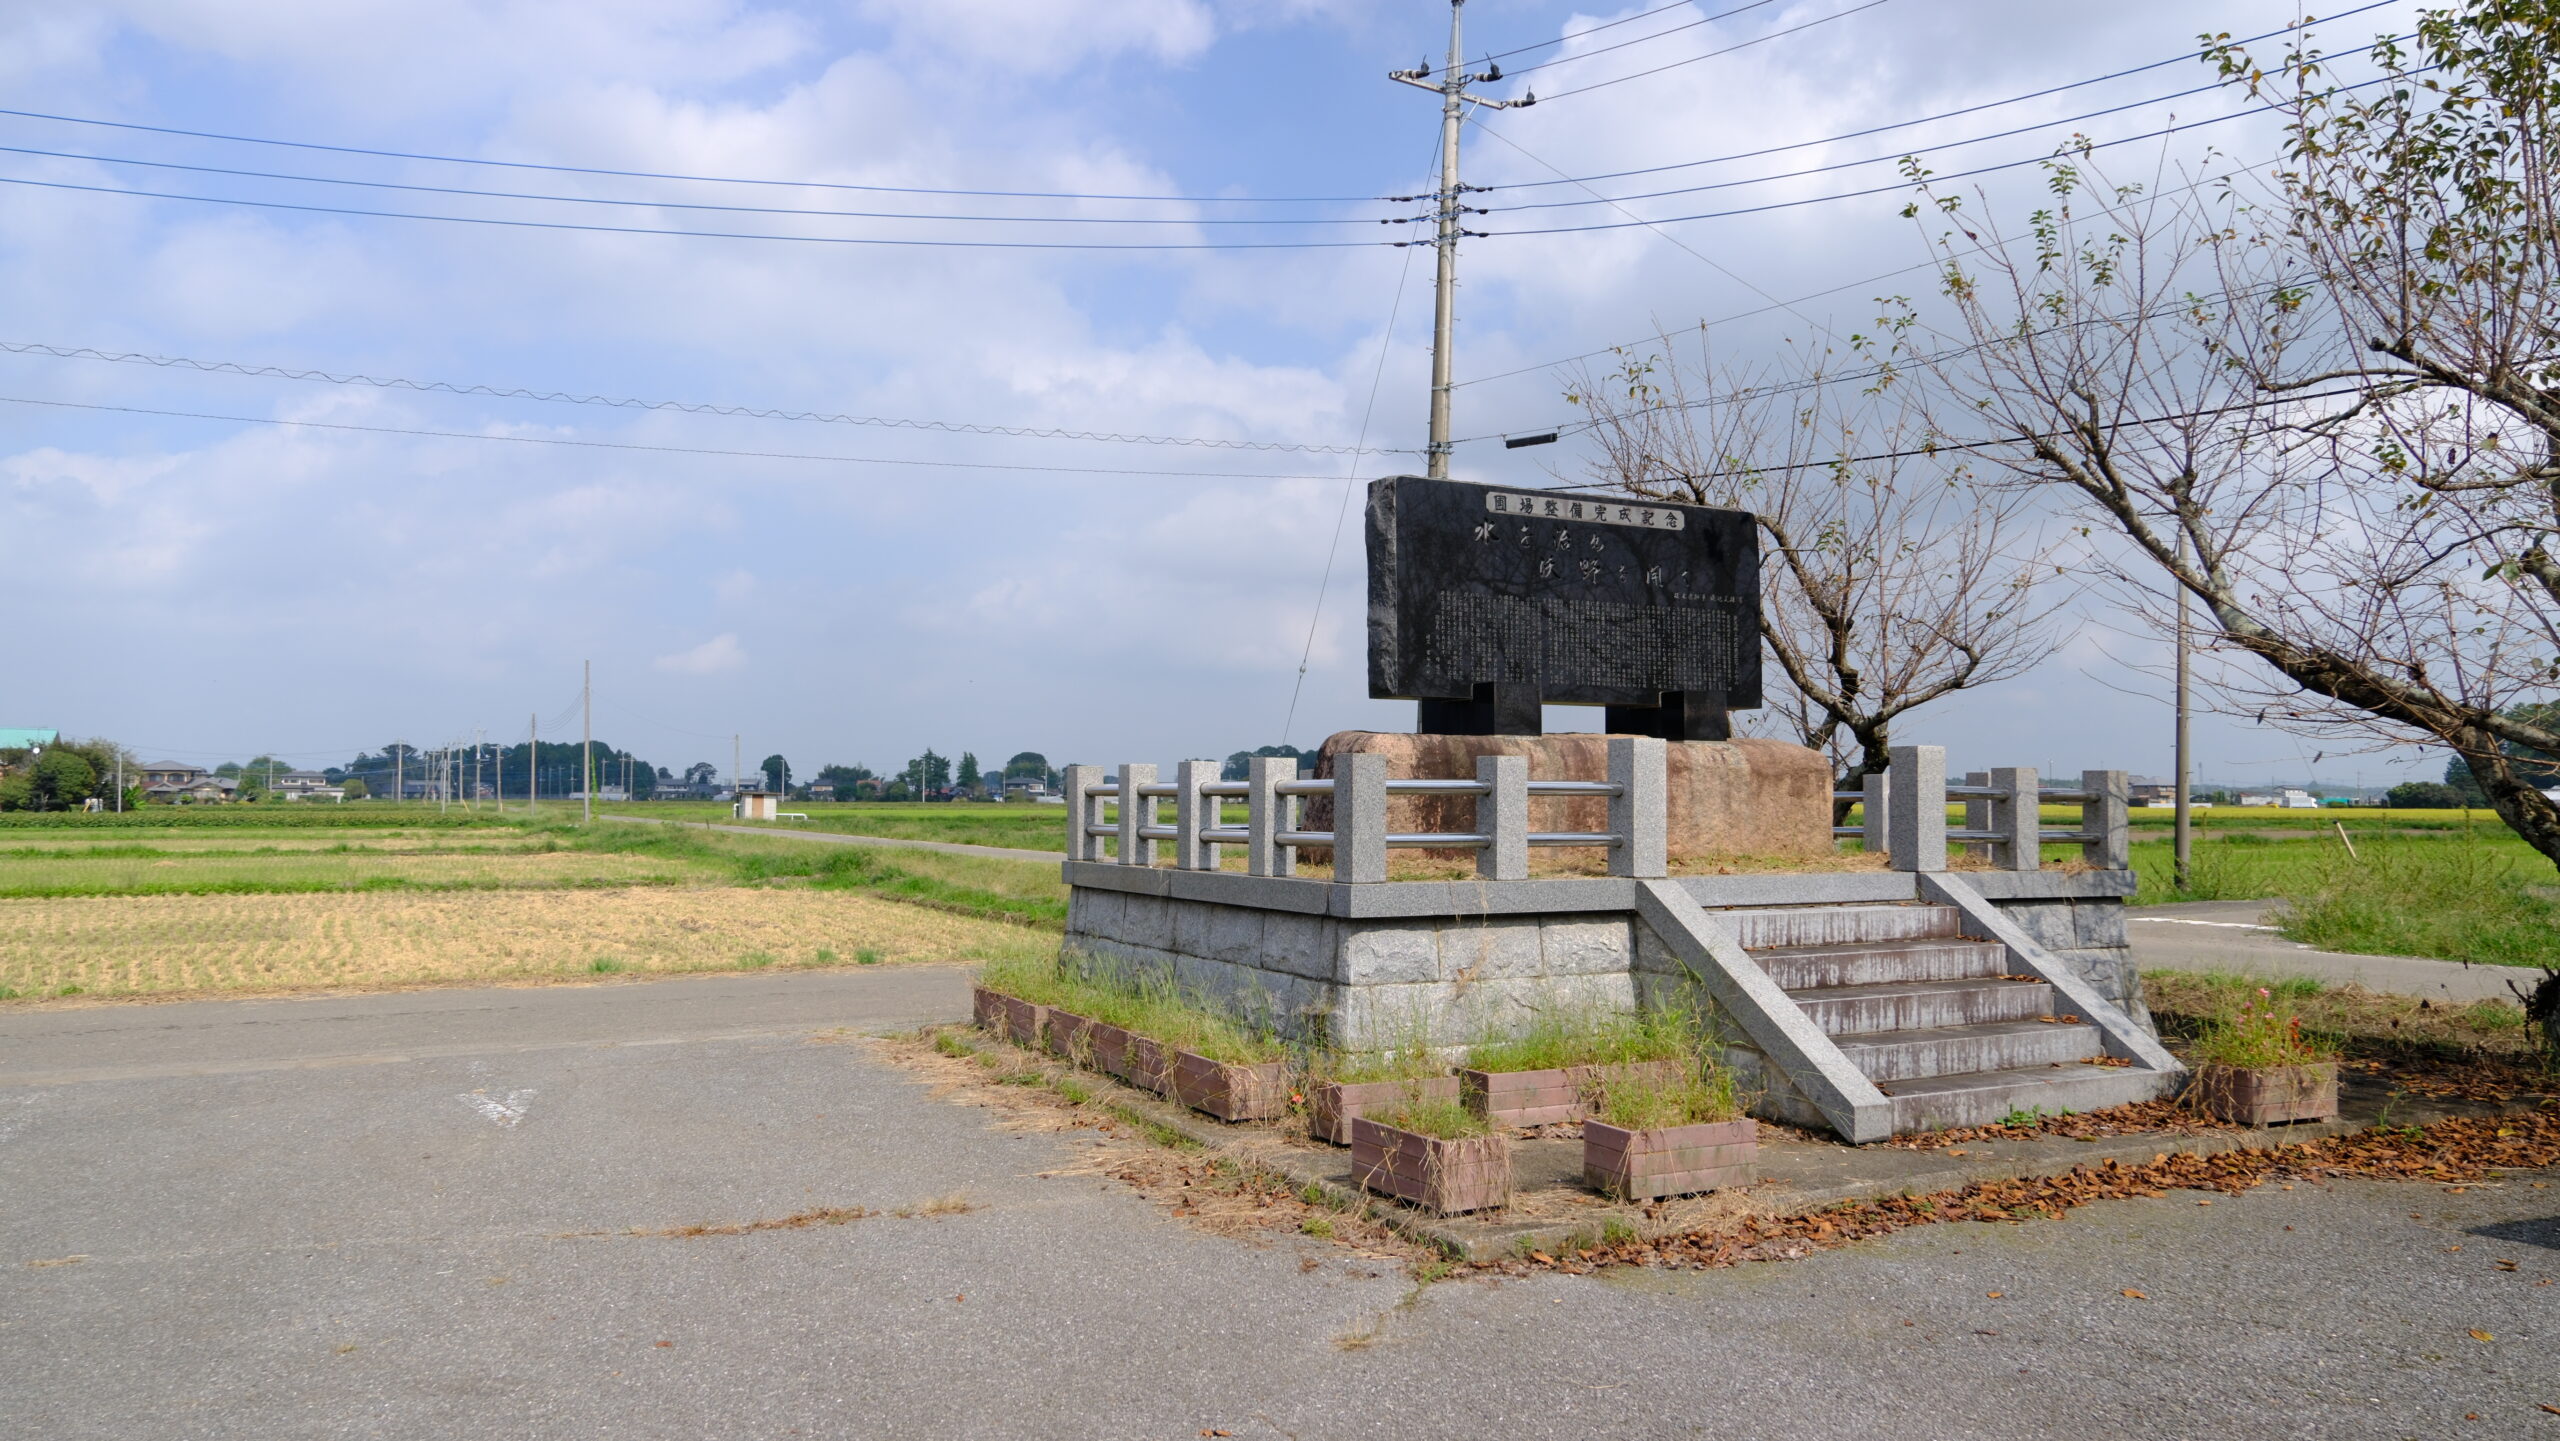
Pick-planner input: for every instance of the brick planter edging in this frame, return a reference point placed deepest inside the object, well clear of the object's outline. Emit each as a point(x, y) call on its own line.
point(1228, 1091)
point(1333, 1105)
point(986, 1008)
point(1070, 1036)
point(1139, 1060)
point(1669, 1160)
point(1023, 1021)
point(1471, 1173)
point(1545, 1098)
point(2270, 1095)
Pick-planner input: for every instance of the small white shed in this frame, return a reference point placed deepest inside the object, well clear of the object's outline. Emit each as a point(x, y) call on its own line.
point(755, 804)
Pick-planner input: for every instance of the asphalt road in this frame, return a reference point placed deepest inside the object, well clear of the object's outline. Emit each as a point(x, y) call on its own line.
point(408, 1216)
point(2237, 936)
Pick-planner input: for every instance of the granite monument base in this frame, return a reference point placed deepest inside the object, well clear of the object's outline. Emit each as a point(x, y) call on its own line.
point(1746, 797)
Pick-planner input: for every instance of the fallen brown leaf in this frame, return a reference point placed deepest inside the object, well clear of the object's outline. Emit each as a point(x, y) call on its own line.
point(2136, 1295)
point(2482, 1336)
point(2554, 1410)
point(666, 1345)
point(1995, 1295)
point(1542, 1258)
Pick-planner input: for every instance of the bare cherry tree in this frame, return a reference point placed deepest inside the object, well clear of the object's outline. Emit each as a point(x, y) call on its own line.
point(1890, 579)
point(2330, 414)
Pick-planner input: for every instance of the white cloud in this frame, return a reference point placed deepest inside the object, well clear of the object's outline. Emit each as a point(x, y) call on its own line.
point(715, 656)
point(1050, 35)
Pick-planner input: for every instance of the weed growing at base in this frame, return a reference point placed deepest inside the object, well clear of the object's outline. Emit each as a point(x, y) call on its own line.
point(1150, 1007)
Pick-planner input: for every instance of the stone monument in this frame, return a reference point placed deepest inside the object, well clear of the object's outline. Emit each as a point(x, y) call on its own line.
point(1487, 604)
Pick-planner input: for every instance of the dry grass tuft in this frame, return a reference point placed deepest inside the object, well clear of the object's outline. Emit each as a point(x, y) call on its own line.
point(1212, 1194)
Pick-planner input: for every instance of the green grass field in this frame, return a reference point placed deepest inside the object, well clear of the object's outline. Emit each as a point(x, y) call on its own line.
point(1012, 827)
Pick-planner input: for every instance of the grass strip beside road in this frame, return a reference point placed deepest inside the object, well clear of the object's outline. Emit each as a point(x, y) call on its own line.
point(987, 887)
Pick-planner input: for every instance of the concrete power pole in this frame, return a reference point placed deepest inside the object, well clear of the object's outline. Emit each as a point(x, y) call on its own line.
point(1452, 89)
point(2182, 848)
point(587, 743)
point(533, 764)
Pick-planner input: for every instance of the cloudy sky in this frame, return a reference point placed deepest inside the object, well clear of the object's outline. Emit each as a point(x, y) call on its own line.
point(192, 577)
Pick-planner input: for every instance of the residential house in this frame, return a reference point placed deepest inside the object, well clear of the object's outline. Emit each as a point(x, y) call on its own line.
point(176, 782)
point(307, 785)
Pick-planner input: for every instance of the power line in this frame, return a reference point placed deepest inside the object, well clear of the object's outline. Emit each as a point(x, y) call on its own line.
point(670, 175)
point(1933, 263)
point(2179, 59)
point(1712, 54)
point(1958, 447)
point(233, 367)
point(1676, 241)
point(673, 204)
point(1623, 44)
point(1838, 165)
point(705, 234)
point(1824, 382)
point(662, 449)
point(1952, 175)
point(1591, 30)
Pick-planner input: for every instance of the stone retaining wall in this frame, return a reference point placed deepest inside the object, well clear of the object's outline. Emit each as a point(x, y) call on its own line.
point(1366, 983)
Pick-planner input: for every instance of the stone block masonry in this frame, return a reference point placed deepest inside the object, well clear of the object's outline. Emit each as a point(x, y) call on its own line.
point(1387, 964)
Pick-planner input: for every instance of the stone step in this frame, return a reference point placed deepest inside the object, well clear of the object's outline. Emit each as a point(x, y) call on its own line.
point(1915, 1005)
point(1983, 1098)
point(1803, 968)
point(1890, 1056)
point(1840, 925)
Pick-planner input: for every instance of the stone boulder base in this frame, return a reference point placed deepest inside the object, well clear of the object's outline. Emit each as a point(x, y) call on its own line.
point(1734, 798)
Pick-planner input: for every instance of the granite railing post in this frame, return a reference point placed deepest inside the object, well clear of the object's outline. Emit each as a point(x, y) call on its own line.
point(1638, 813)
point(1359, 818)
point(1917, 810)
point(1267, 814)
point(2019, 810)
point(2106, 820)
point(1502, 814)
point(1872, 814)
point(1193, 813)
point(1085, 795)
point(1136, 813)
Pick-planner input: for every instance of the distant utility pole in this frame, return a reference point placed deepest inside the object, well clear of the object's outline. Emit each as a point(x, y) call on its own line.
point(737, 759)
point(2182, 844)
point(533, 764)
point(399, 771)
point(1452, 89)
point(587, 742)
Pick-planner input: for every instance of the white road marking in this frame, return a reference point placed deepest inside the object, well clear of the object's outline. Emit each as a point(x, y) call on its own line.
point(2184, 921)
point(502, 1113)
point(14, 1122)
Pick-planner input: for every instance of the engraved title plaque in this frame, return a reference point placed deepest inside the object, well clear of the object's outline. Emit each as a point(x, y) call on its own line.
point(1499, 600)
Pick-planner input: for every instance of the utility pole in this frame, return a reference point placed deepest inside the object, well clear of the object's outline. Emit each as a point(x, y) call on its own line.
point(533, 764)
point(399, 770)
point(2182, 845)
point(737, 758)
point(1452, 89)
point(587, 743)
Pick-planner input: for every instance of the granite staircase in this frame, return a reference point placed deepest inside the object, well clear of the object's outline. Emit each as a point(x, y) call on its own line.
point(1937, 1021)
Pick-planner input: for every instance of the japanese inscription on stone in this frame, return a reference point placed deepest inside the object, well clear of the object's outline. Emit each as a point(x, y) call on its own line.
point(1593, 602)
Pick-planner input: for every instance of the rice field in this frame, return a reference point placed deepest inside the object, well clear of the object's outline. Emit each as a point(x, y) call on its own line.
point(287, 873)
point(165, 945)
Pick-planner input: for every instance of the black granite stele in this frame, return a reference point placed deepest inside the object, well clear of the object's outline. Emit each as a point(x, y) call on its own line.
point(1486, 603)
